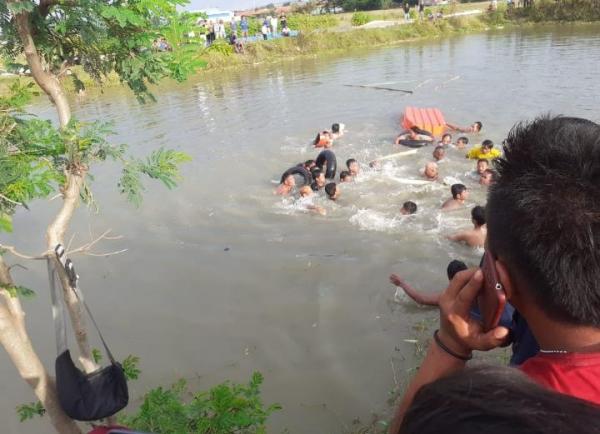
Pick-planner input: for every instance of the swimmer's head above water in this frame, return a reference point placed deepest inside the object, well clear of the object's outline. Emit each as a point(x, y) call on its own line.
point(345, 176)
point(352, 166)
point(408, 208)
point(431, 171)
point(482, 165)
point(439, 153)
point(332, 191)
point(446, 140)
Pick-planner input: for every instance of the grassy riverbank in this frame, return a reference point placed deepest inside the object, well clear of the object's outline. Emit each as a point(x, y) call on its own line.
point(340, 38)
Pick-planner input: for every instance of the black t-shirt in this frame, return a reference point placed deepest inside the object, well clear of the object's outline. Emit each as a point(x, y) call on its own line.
point(406, 7)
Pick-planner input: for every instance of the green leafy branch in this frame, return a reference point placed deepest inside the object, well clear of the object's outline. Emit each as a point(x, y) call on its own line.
point(30, 410)
point(162, 164)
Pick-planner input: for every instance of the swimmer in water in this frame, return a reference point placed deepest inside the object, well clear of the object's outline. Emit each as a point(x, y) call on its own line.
point(431, 171)
point(408, 208)
point(352, 166)
point(439, 153)
point(318, 179)
point(323, 140)
point(345, 176)
point(459, 195)
point(475, 127)
point(486, 150)
point(337, 131)
point(482, 166)
point(488, 177)
point(332, 191)
point(308, 164)
point(473, 237)
point(306, 192)
point(462, 142)
point(446, 140)
point(431, 299)
point(286, 186)
point(414, 133)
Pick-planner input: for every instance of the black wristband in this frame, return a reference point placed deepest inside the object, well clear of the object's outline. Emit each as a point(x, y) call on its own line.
point(447, 350)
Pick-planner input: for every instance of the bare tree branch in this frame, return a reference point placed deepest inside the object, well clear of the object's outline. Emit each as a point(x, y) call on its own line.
point(14, 202)
point(85, 249)
point(18, 254)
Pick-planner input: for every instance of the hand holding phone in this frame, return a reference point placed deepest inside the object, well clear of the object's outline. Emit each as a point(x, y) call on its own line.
point(492, 298)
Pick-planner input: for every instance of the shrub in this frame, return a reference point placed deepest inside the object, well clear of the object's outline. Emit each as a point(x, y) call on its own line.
point(224, 409)
point(221, 46)
point(360, 18)
point(305, 23)
point(413, 14)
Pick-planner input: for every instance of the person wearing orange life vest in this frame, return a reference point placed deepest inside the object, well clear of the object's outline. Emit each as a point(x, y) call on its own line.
point(323, 140)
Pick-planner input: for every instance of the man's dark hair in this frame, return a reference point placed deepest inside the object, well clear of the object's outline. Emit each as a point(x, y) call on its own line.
point(544, 214)
point(437, 148)
point(314, 186)
point(335, 128)
point(410, 207)
point(454, 267)
point(330, 189)
point(446, 135)
point(463, 139)
point(487, 143)
point(457, 189)
point(484, 160)
point(344, 174)
point(478, 215)
point(309, 163)
point(349, 161)
point(316, 172)
point(496, 400)
point(479, 124)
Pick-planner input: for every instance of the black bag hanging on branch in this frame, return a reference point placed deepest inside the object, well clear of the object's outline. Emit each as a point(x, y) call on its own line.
point(82, 396)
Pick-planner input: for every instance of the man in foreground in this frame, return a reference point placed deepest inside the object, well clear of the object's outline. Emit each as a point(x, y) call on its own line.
point(547, 261)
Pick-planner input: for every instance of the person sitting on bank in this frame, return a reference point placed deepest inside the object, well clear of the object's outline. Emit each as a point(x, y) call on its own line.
point(408, 208)
point(318, 179)
point(414, 133)
point(439, 153)
point(323, 140)
point(352, 166)
point(286, 186)
point(475, 127)
point(285, 31)
point(459, 195)
point(346, 176)
point(431, 171)
point(473, 237)
point(485, 151)
point(546, 261)
point(332, 191)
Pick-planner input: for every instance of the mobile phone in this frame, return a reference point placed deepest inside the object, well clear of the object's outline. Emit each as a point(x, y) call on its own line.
point(491, 298)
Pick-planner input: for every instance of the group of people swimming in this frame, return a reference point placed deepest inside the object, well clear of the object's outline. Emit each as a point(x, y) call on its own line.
point(319, 174)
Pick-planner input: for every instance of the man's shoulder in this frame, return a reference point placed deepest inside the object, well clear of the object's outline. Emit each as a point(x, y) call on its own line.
point(575, 374)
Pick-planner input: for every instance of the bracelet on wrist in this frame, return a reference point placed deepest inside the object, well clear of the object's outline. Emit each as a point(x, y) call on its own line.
point(447, 350)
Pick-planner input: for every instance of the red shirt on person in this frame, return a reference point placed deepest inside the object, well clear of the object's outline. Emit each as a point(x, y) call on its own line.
point(574, 374)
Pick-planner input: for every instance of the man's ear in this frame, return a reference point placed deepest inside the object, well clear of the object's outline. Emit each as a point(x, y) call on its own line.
point(506, 280)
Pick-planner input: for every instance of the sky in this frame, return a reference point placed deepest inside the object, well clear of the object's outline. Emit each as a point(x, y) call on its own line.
point(225, 4)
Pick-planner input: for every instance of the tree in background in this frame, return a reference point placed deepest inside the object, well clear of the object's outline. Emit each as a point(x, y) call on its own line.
point(58, 39)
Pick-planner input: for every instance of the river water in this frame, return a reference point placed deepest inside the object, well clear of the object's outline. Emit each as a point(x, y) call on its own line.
point(222, 278)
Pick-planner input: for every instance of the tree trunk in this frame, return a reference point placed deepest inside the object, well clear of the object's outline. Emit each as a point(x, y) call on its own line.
point(14, 338)
point(56, 230)
point(47, 81)
point(55, 235)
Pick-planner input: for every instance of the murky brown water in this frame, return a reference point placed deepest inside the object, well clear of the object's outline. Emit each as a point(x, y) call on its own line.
point(222, 278)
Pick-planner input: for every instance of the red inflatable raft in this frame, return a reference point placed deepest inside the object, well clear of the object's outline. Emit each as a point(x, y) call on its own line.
point(428, 119)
